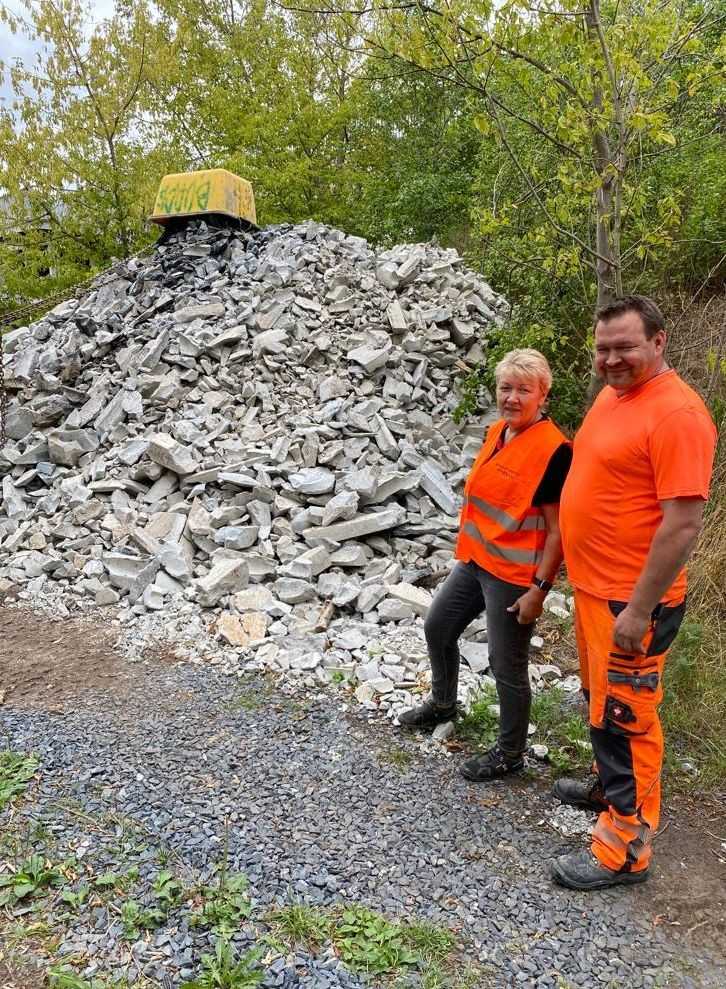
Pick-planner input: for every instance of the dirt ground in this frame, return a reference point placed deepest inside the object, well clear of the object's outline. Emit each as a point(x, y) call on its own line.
point(50, 665)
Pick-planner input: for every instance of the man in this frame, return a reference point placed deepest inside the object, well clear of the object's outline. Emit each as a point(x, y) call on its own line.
point(630, 515)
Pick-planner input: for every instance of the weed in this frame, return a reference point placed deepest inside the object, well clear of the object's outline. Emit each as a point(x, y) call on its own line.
point(121, 882)
point(16, 771)
point(481, 724)
point(136, 918)
point(368, 942)
point(223, 970)
point(168, 890)
point(430, 943)
point(76, 898)
point(63, 977)
point(34, 877)
point(397, 757)
point(225, 905)
point(246, 700)
point(298, 924)
point(562, 729)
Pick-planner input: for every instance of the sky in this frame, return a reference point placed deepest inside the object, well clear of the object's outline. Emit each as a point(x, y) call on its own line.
point(14, 47)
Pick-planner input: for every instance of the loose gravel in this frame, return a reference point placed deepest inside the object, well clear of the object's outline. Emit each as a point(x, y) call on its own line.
point(314, 804)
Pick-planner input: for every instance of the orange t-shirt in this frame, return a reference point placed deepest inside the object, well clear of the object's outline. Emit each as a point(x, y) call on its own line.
point(632, 451)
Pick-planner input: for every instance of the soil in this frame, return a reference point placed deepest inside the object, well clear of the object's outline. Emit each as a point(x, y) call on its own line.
point(50, 665)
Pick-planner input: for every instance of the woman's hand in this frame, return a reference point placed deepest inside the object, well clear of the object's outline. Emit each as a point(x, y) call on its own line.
point(528, 607)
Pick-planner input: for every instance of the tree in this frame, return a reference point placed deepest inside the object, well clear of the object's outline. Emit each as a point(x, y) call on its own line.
point(578, 96)
point(78, 177)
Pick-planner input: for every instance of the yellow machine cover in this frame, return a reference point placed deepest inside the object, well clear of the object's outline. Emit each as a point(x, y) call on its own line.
point(214, 190)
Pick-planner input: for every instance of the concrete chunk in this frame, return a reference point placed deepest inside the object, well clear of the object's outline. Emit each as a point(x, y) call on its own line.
point(361, 525)
point(224, 578)
point(166, 451)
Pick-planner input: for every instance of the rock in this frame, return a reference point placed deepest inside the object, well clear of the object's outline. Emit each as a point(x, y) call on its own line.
point(164, 450)
point(416, 597)
point(476, 654)
point(253, 599)
point(361, 525)
point(225, 577)
point(435, 484)
point(241, 631)
point(391, 610)
point(293, 591)
point(444, 731)
point(237, 536)
point(211, 310)
point(313, 481)
point(370, 358)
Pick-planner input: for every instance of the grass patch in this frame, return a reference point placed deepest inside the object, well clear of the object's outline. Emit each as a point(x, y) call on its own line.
point(16, 772)
point(364, 940)
point(694, 711)
point(33, 878)
point(397, 757)
point(223, 906)
point(480, 726)
point(225, 970)
point(562, 730)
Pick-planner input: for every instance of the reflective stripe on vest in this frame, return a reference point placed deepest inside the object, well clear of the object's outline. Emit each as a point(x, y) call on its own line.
point(506, 521)
point(503, 552)
point(501, 530)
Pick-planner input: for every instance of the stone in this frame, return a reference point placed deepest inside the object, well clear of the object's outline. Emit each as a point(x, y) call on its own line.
point(212, 310)
point(19, 420)
point(241, 631)
point(476, 655)
point(225, 577)
point(342, 506)
point(391, 610)
point(67, 446)
point(444, 731)
point(309, 564)
point(370, 358)
point(435, 484)
point(237, 536)
point(312, 481)
point(293, 591)
point(360, 525)
point(167, 452)
point(416, 597)
point(253, 599)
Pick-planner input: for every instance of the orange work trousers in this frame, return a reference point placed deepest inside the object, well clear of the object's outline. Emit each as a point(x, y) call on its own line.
point(623, 692)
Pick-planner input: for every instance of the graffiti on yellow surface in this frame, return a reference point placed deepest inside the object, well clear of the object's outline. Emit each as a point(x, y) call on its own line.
point(212, 191)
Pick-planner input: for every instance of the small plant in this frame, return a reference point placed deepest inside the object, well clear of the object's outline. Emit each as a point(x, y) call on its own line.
point(16, 771)
point(225, 905)
point(223, 970)
point(120, 881)
point(136, 918)
point(429, 942)
point(481, 724)
point(76, 898)
point(397, 757)
point(562, 730)
point(368, 942)
point(34, 877)
point(168, 890)
point(298, 924)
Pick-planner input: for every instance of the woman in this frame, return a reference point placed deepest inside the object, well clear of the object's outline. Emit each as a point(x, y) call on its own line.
point(509, 550)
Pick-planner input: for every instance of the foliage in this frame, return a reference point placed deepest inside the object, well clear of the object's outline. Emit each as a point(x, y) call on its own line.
point(562, 729)
point(136, 918)
point(16, 771)
point(223, 970)
point(34, 877)
point(225, 905)
point(299, 924)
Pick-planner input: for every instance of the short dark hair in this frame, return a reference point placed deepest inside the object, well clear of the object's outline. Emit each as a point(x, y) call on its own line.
point(647, 310)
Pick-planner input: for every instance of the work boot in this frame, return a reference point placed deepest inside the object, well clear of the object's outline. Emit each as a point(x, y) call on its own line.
point(587, 796)
point(428, 715)
point(490, 766)
point(582, 870)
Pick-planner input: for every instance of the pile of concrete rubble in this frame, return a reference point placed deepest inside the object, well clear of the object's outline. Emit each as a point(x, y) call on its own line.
point(256, 424)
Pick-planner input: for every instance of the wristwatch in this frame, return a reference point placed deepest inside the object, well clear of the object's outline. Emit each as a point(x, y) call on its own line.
point(544, 585)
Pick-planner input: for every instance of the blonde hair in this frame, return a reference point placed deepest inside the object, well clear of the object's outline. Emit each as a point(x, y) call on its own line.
point(526, 363)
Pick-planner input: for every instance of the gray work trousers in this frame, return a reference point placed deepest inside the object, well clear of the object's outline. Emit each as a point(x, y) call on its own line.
point(465, 594)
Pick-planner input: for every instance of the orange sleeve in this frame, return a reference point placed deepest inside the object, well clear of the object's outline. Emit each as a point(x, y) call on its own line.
point(682, 449)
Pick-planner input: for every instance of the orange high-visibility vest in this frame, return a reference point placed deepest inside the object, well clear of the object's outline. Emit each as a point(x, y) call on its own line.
point(500, 529)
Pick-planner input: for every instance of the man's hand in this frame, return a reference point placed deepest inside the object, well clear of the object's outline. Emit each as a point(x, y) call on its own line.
point(528, 607)
point(630, 629)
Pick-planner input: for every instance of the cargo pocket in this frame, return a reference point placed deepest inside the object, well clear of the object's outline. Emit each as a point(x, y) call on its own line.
point(668, 620)
point(632, 700)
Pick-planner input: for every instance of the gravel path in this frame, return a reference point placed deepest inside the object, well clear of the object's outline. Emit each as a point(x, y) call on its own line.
point(323, 806)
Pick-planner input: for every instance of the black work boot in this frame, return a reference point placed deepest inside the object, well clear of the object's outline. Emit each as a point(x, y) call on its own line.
point(428, 715)
point(490, 766)
point(581, 870)
point(587, 795)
